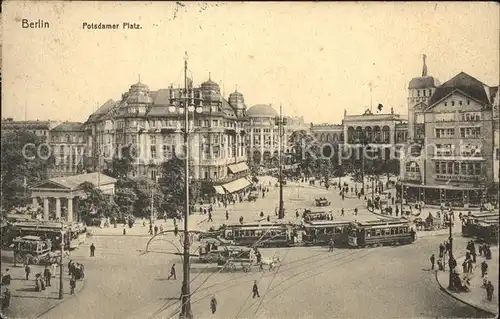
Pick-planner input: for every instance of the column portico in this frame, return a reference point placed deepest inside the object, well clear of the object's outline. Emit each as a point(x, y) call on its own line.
point(70, 209)
point(58, 208)
point(45, 208)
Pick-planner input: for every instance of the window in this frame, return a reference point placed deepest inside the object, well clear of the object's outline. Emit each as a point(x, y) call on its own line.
point(445, 132)
point(477, 169)
point(456, 168)
point(468, 102)
point(418, 93)
point(215, 123)
point(430, 92)
point(153, 151)
point(152, 139)
point(449, 168)
point(452, 103)
point(459, 102)
point(445, 104)
point(470, 132)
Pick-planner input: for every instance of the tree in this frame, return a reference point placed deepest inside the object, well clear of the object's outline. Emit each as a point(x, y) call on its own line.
point(173, 187)
point(96, 202)
point(121, 165)
point(23, 163)
point(143, 187)
point(125, 199)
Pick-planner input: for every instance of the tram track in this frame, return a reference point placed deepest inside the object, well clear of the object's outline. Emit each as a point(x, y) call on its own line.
point(357, 254)
point(327, 262)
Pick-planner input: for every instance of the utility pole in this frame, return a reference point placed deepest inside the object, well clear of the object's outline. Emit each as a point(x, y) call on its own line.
point(61, 291)
point(281, 132)
point(187, 100)
point(451, 259)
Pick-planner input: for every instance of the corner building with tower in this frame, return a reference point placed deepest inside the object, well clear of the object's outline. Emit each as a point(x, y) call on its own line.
point(452, 153)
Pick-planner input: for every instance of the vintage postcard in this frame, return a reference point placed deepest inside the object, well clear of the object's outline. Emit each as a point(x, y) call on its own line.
point(249, 160)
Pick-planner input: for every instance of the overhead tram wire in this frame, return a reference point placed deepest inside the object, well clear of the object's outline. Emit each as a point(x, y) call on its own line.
point(239, 283)
point(258, 242)
point(307, 277)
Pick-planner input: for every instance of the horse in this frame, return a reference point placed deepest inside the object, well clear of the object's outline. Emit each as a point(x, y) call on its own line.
point(272, 262)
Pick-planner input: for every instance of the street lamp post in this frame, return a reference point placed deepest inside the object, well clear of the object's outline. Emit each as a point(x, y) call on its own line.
point(187, 101)
point(451, 259)
point(61, 289)
point(281, 132)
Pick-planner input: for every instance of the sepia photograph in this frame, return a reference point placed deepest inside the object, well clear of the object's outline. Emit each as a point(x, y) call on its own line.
point(249, 160)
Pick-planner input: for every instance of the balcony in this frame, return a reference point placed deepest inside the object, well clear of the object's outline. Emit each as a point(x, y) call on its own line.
point(459, 178)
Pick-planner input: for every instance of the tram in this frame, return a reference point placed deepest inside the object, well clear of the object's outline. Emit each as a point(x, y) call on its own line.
point(260, 235)
point(320, 232)
point(469, 222)
point(317, 214)
point(380, 232)
point(487, 231)
point(73, 233)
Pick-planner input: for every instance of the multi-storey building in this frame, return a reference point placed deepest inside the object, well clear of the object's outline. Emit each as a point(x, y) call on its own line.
point(68, 145)
point(450, 157)
point(39, 128)
point(385, 132)
point(151, 121)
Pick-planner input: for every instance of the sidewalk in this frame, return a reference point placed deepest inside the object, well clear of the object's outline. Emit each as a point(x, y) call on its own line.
point(25, 302)
point(476, 297)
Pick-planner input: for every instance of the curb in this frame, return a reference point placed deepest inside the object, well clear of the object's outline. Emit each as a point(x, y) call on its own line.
point(494, 315)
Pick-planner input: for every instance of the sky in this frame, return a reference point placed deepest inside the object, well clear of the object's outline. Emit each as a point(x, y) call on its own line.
point(316, 59)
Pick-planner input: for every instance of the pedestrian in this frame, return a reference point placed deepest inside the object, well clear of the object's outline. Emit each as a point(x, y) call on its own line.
point(489, 291)
point(156, 230)
point(433, 259)
point(342, 212)
point(92, 250)
point(161, 228)
point(47, 275)
point(331, 245)
point(172, 273)
point(227, 214)
point(151, 229)
point(255, 290)
point(6, 278)
point(27, 271)
point(70, 267)
point(469, 265)
point(464, 267)
point(72, 285)
point(6, 299)
point(210, 217)
point(54, 267)
point(42, 283)
point(38, 287)
point(440, 264)
point(484, 268)
point(213, 304)
point(355, 211)
point(441, 250)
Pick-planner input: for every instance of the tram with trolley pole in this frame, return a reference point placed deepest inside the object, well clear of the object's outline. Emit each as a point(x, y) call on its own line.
point(74, 233)
point(260, 235)
point(380, 232)
point(320, 232)
point(469, 222)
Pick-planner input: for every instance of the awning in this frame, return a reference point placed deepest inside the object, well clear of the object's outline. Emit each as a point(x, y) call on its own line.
point(448, 187)
point(219, 190)
point(236, 185)
point(240, 167)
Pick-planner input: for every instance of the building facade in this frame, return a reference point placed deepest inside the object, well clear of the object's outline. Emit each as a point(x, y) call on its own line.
point(451, 130)
point(68, 145)
point(151, 123)
point(39, 128)
point(385, 132)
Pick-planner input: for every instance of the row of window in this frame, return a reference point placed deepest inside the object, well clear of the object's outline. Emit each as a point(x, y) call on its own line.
point(460, 102)
point(386, 232)
point(258, 233)
point(458, 168)
point(66, 139)
point(465, 150)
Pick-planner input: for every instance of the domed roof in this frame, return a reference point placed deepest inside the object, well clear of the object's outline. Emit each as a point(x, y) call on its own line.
point(262, 110)
point(235, 94)
point(237, 100)
point(424, 82)
point(139, 85)
point(210, 85)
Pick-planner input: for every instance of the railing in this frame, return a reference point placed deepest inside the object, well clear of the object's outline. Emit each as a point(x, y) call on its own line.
point(450, 177)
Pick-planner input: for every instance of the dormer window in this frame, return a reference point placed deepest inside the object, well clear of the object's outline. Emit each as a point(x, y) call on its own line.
point(468, 102)
point(445, 104)
point(452, 103)
point(418, 93)
point(460, 102)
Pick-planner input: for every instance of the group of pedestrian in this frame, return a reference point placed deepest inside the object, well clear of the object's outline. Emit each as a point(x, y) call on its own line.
point(485, 250)
point(76, 270)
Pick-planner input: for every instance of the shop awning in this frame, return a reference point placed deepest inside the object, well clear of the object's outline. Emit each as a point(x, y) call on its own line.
point(446, 187)
point(236, 185)
point(240, 167)
point(219, 190)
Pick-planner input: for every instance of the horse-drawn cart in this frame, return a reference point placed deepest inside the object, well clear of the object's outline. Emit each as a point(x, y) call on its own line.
point(34, 250)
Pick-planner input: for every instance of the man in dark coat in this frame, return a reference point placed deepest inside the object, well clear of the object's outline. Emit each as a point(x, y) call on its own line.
point(213, 304)
point(72, 285)
point(172, 273)
point(47, 275)
point(433, 260)
point(92, 250)
point(484, 268)
point(489, 291)
point(255, 290)
point(27, 271)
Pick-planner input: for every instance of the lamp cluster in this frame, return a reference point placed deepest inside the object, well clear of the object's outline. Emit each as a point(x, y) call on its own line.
point(190, 98)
